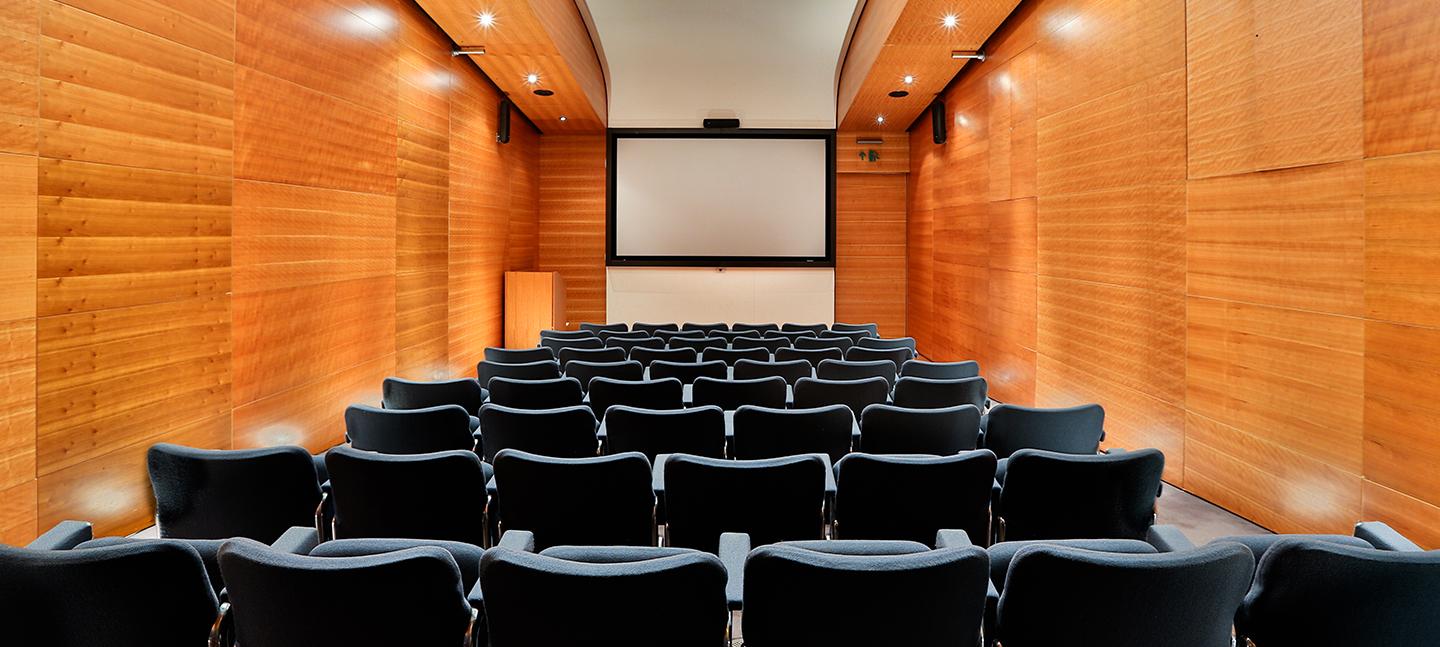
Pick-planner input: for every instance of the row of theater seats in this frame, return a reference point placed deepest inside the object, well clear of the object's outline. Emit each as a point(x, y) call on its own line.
point(1375, 588)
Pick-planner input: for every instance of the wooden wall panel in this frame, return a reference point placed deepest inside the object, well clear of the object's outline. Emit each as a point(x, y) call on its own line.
point(17, 348)
point(19, 75)
point(1402, 238)
point(572, 221)
point(870, 250)
point(1402, 87)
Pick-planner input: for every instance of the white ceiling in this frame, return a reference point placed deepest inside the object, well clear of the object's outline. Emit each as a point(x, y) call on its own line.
point(673, 63)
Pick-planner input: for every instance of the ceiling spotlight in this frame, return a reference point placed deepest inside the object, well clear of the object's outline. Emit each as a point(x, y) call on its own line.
point(486, 19)
point(532, 78)
point(950, 21)
point(563, 118)
point(880, 119)
point(909, 79)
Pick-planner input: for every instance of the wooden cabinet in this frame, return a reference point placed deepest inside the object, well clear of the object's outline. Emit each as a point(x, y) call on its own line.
point(534, 301)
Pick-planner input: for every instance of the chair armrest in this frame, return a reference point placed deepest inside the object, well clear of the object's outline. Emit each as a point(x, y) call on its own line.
point(1383, 537)
point(476, 599)
point(952, 539)
point(64, 536)
point(1168, 539)
point(734, 548)
point(521, 540)
point(298, 540)
point(992, 612)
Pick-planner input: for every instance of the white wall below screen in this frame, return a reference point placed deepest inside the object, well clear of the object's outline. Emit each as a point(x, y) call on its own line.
point(706, 294)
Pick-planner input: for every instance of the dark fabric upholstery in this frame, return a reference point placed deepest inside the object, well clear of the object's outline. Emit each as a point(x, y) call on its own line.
point(704, 327)
point(631, 344)
point(888, 429)
point(564, 432)
point(599, 501)
point(856, 394)
point(536, 394)
point(652, 328)
point(731, 335)
point(790, 335)
point(913, 497)
point(424, 496)
point(772, 432)
point(598, 327)
point(612, 554)
point(731, 355)
point(1068, 596)
point(207, 549)
point(870, 329)
point(607, 335)
point(668, 601)
point(408, 597)
point(582, 343)
point(698, 344)
point(771, 500)
point(543, 370)
point(853, 335)
point(1380, 535)
point(812, 355)
point(687, 372)
point(790, 371)
point(408, 431)
point(592, 355)
point(1048, 495)
point(1072, 430)
point(810, 328)
point(466, 556)
point(927, 393)
point(897, 356)
point(150, 594)
point(1259, 545)
point(215, 493)
point(586, 371)
point(668, 335)
point(646, 355)
point(940, 370)
point(732, 394)
point(857, 370)
point(518, 355)
point(565, 334)
point(63, 536)
point(1309, 592)
point(841, 344)
point(666, 393)
point(400, 393)
point(887, 343)
point(1002, 553)
point(697, 430)
point(761, 328)
point(770, 344)
point(801, 595)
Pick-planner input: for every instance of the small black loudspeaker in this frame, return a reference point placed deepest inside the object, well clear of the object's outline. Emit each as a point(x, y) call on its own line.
point(722, 123)
point(937, 121)
point(502, 133)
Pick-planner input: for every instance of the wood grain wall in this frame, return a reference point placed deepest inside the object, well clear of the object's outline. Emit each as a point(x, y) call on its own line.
point(572, 221)
point(222, 221)
point(1214, 218)
point(870, 230)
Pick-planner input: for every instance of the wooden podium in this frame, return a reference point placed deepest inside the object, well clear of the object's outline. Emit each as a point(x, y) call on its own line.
point(534, 301)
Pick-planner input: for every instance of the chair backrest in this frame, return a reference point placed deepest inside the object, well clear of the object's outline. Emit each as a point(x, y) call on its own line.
point(790, 371)
point(1054, 594)
point(399, 393)
point(772, 500)
point(841, 344)
point(408, 431)
point(1048, 495)
point(856, 370)
point(814, 329)
point(408, 597)
point(645, 355)
point(666, 393)
point(870, 329)
point(731, 355)
point(653, 597)
point(598, 328)
point(770, 344)
point(696, 430)
point(761, 328)
point(208, 549)
point(1071, 430)
point(940, 370)
point(421, 496)
point(687, 372)
point(888, 429)
point(732, 394)
point(565, 432)
point(596, 501)
point(608, 335)
point(731, 335)
point(565, 334)
point(543, 370)
point(583, 343)
point(812, 355)
point(630, 344)
point(854, 336)
point(518, 355)
point(586, 371)
point(862, 593)
point(1312, 592)
point(792, 336)
point(886, 343)
point(652, 328)
point(914, 497)
point(536, 394)
point(153, 593)
point(896, 356)
point(771, 432)
point(668, 335)
point(927, 393)
point(697, 344)
point(223, 493)
point(856, 394)
point(703, 327)
point(593, 355)
point(467, 556)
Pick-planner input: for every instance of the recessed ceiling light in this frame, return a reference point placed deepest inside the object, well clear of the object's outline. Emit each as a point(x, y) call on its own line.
point(909, 79)
point(486, 19)
point(880, 119)
point(563, 118)
point(899, 94)
point(542, 92)
point(950, 21)
point(532, 78)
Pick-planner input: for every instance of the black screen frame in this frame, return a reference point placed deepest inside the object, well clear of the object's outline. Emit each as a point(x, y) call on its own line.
point(614, 260)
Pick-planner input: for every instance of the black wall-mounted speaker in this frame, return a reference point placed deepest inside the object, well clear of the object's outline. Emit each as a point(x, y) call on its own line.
point(722, 123)
point(502, 133)
point(937, 121)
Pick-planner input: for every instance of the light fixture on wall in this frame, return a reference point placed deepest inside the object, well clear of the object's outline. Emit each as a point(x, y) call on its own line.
point(971, 54)
point(564, 119)
point(475, 50)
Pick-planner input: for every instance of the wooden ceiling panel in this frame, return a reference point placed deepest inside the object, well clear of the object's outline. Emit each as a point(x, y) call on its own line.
point(543, 37)
point(915, 43)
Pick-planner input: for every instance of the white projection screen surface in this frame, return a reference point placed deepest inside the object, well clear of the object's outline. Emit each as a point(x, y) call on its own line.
point(698, 199)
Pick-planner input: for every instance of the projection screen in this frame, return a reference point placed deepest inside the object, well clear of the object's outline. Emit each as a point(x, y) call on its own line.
point(706, 199)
